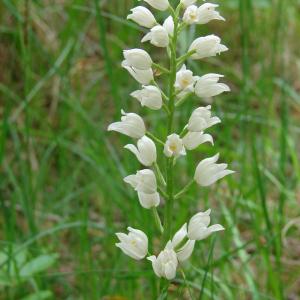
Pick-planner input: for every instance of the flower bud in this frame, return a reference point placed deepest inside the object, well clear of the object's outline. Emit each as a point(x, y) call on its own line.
point(198, 228)
point(138, 58)
point(149, 96)
point(194, 139)
point(145, 151)
point(208, 172)
point(134, 244)
point(169, 25)
point(165, 264)
point(131, 124)
point(187, 3)
point(158, 36)
point(158, 4)
point(207, 12)
point(141, 76)
point(143, 181)
point(174, 146)
point(185, 80)
point(201, 119)
point(142, 16)
point(209, 86)
point(207, 46)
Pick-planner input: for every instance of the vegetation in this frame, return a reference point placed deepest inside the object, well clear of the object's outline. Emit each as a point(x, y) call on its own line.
point(62, 191)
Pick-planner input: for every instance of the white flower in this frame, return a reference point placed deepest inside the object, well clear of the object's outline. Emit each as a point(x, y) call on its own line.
point(201, 119)
point(135, 244)
point(185, 80)
point(138, 58)
point(131, 124)
point(143, 181)
point(198, 226)
point(165, 264)
point(142, 16)
point(186, 3)
point(208, 172)
point(158, 4)
point(174, 146)
point(141, 76)
point(209, 86)
point(207, 46)
point(149, 96)
point(145, 151)
point(191, 15)
point(194, 139)
point(158, 36)
point(207, 12)
point(169, 25)
point(185, 251)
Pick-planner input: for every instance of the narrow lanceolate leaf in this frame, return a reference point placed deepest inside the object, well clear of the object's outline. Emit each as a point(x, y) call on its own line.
point(38, 264)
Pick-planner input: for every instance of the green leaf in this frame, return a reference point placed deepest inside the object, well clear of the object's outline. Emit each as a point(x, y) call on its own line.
point(41, 295)
point(38, 264)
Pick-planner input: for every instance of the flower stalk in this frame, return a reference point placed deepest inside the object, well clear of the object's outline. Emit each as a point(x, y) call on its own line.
point(150, 183)
point(157, 220)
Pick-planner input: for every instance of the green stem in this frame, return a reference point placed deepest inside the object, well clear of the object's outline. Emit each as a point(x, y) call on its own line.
point(171, 106)
point(184, 190)
point(184, 57)
point(157, 220)
point(153, 137)
point(183, 132)
point(160, 68)
point(183, 99)
point(159, 174)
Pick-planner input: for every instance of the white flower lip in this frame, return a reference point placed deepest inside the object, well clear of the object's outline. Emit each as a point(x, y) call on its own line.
point(208, 172)
point(174, 146)
point(191, 15)
point(185, 80)
point(142, 16)
point(131, 124)
point(134, 244)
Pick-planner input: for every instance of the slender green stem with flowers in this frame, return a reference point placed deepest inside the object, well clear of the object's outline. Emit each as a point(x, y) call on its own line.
point(151, 184)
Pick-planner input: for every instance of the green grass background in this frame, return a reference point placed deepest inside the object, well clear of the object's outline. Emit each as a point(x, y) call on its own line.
point(61, 186)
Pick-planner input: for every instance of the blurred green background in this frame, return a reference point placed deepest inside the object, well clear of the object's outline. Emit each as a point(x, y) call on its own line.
point(62, 191)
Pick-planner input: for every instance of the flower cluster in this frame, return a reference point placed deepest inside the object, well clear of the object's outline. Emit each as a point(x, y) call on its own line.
point(150, 183)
